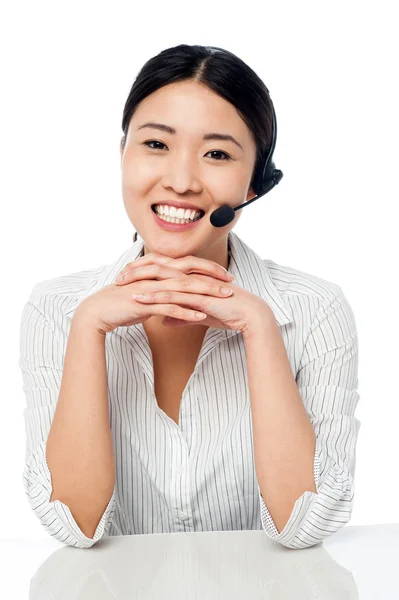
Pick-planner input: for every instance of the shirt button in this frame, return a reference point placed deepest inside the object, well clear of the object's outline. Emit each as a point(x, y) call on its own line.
point(180, 469)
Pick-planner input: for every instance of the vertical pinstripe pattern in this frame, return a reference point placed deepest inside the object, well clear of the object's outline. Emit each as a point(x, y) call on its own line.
point(199, 475)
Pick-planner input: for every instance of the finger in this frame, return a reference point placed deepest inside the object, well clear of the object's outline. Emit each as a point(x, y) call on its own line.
point(175, 311)
point(173, 281)
point(188, 264)
point(147, 259)
point(192, 285)
point(151, 271)
point(176, 296)
point(167, 297)
point(159, 272)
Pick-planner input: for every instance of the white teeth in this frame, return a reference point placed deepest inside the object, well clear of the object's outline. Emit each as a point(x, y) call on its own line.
point(179, 213)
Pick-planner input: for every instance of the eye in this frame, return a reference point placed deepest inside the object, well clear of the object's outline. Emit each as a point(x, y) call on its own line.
point(153, 142)
point(148, 142)
point(220, 152)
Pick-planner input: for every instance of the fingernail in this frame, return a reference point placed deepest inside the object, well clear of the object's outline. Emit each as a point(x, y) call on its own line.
point(119, 278)
point(226, 291)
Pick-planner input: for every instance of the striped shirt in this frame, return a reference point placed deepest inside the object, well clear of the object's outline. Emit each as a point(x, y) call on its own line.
point(198, 475)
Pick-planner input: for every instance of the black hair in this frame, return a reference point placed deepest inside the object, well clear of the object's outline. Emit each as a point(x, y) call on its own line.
point(218, 69)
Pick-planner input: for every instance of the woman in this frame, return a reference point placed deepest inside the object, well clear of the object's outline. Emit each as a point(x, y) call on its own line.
point(143, 417)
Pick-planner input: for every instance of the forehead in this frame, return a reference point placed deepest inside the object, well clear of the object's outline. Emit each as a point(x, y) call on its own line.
point(189, 105)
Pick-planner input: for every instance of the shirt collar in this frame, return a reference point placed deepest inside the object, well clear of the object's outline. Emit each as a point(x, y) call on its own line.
point(250, 271)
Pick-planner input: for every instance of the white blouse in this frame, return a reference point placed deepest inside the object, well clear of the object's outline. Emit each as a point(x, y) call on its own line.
point(198, 475)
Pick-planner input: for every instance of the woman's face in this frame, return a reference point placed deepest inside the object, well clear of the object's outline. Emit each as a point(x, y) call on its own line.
point(182, 166)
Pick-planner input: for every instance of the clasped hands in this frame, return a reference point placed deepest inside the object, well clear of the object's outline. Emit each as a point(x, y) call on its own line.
point(194, 283)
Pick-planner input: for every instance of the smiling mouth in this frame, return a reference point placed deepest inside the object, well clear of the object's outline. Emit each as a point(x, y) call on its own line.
point(200, 217)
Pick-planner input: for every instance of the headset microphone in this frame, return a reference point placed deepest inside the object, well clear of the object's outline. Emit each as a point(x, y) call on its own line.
point(266, 177)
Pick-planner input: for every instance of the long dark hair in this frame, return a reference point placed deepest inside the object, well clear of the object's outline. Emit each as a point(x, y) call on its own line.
point(218, 69)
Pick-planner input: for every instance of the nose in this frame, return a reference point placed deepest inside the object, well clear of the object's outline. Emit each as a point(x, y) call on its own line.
point(182, 174)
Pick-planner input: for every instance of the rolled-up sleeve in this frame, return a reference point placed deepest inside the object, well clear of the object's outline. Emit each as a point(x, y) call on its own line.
point(41, 362)
point(327, 380)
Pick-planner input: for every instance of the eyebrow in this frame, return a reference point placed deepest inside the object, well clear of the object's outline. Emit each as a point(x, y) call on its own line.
point(208, 136)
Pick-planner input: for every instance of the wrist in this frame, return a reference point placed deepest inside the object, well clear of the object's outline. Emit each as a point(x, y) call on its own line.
point(261, 322)
point(84, 319)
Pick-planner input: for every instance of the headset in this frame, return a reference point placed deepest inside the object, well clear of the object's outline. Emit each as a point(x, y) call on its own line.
point(265, 177)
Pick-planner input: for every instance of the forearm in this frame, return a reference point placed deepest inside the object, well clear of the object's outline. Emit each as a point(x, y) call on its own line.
point(284, 439)
point(79, 448)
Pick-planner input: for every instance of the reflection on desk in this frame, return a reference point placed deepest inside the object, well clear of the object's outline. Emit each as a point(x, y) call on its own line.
point(355, 563)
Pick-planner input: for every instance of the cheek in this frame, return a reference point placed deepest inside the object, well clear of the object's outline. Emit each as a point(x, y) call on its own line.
point(137, 173)
point(135, 190)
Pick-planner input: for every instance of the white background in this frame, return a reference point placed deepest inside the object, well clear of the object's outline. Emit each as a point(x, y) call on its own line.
point(331, 69)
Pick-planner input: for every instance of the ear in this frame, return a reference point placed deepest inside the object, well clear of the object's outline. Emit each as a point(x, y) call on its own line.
point(122, 147)
point(251, 194)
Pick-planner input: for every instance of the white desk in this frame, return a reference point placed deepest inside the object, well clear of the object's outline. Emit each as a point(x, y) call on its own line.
point(355, 562)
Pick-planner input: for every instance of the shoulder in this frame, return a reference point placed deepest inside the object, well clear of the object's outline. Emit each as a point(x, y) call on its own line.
point(55, 296)
point(315, 302)
point(291, 281)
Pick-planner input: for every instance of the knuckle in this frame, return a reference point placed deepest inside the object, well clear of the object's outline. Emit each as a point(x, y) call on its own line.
point(186, 282)
point(125, 268)
point(172, 309)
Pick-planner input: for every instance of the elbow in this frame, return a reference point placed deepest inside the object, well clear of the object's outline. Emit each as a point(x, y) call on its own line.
point(74, 542)
point(322, 521)
point(318, 516)
point(72, 524)
point(296, 544)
